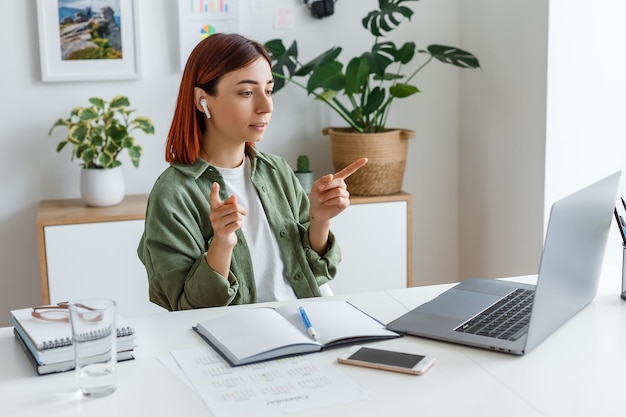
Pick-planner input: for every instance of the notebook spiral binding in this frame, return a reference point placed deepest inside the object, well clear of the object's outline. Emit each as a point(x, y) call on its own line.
point(57, 343)
point(125, 331)
point(92, 335)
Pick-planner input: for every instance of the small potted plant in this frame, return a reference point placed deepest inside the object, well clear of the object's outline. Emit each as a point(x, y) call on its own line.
point(98, 134)
point(362, 91)
point(304, 173)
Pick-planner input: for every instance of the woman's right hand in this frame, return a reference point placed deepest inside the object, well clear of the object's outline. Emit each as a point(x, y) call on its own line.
point(226, 217)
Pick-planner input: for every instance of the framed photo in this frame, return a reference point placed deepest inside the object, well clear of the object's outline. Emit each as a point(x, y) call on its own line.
point(86, 40)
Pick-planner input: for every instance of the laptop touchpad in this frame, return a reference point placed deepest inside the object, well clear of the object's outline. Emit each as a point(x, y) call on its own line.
point(459, 304)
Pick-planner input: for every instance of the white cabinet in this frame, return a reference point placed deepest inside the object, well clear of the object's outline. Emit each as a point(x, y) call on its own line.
point(89, 251)
point(374, 234)
point(92, 252)
point(98, 260)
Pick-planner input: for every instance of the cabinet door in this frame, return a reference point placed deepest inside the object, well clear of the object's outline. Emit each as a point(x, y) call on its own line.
point(373, 241)
point(98, 260)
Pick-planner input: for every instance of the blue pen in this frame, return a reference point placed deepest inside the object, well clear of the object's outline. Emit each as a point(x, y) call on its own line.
point(307, 323)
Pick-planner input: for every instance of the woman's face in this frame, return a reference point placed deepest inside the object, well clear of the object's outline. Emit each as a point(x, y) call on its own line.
point(242, 108)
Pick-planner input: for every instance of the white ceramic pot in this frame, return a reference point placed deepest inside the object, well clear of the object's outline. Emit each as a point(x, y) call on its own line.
point(102, 187)
point(306, 179)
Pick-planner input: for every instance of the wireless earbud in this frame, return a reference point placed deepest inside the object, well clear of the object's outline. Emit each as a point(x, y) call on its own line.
point(205, 107)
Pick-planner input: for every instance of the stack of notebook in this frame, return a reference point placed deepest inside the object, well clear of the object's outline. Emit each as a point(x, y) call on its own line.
point(48, 344)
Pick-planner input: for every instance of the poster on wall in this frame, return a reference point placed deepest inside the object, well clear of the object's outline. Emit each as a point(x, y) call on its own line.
point(198, 19)
point(86, 40)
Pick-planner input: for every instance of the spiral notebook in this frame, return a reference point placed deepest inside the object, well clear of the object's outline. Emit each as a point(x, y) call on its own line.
point(51, 341)
point(61, 366)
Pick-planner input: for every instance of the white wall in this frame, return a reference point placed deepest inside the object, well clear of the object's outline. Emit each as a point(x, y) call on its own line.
point(586, 89)
point(503, 138)
point(586, 110)
point(546, 120)
point(32, 170)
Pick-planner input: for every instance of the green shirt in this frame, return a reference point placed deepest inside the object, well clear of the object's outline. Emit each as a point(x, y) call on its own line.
point(178, 232)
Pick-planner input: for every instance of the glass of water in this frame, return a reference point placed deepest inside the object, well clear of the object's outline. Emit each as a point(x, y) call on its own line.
point(94, 337)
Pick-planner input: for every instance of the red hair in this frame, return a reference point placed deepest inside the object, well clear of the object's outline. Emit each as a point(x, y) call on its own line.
point(211, 59)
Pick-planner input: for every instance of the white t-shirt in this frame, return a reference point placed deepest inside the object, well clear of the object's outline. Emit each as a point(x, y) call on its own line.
point(271, 283)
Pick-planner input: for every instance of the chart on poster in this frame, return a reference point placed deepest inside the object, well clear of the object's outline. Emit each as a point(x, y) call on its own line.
point(199, 19)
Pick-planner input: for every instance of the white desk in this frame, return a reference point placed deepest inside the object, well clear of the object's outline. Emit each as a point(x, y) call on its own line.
point(567, 375)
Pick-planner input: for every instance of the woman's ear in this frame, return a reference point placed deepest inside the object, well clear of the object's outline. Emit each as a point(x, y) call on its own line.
point(201, 102)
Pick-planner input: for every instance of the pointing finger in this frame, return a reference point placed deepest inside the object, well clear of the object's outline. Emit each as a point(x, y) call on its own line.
point(351, 169)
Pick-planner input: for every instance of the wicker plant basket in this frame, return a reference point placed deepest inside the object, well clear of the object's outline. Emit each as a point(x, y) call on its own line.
point(386, 152)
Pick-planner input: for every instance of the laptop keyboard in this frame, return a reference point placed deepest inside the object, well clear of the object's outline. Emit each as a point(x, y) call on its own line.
point(507, 319)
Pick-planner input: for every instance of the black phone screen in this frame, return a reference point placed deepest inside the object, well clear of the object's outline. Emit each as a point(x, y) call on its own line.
point(387, 357)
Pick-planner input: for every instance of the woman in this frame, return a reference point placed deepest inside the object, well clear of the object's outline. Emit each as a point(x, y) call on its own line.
point(225, 223)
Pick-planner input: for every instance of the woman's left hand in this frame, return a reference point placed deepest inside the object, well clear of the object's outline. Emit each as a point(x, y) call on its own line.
point(329, 194)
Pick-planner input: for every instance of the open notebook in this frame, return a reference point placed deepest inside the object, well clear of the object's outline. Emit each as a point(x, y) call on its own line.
point(262, 333)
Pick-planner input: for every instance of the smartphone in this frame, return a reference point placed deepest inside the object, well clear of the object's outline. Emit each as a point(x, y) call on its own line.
point(388, 360)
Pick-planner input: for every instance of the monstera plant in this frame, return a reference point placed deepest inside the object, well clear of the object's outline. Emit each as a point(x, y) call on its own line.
point(361, 90)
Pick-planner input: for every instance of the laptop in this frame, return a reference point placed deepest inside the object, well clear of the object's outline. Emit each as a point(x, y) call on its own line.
point(513, 317)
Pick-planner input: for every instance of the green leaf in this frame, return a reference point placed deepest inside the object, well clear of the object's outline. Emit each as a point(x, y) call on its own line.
point(275, 47)
point(143, 123)
point(357, 114)
point(111, 148)
point(97, 140)
point(327, 77)
point(384, 19)
point(88, 113)
point(119, 101)
point(405, 54)
point(402, 90)
point(117, 131)
point(97, 131)
point(61, 145)
point(284, 61)
point(378, 60)
point(78, 132)
point(374, 100)
point(322, 59)
point(454, 56)
point(135, 152)
point(357, 73)
point(127, 142)
point(97, 102)
point(105, 160)
point(86, 155)
point(387, 49)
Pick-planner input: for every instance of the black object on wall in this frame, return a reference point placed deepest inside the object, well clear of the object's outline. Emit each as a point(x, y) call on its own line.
point(321, 8)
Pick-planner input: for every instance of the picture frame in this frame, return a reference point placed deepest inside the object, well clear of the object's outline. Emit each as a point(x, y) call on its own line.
point(65, 64)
